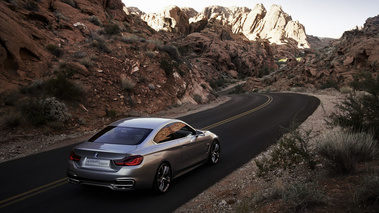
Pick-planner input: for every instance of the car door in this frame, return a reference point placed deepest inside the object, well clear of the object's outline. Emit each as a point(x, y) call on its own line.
point(168, 148)
point(194, 148)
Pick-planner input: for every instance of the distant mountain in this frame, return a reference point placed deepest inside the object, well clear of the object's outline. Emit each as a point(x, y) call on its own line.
point(319, 42)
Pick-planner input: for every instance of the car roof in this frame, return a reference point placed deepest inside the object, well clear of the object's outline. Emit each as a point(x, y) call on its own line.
point(147, 123)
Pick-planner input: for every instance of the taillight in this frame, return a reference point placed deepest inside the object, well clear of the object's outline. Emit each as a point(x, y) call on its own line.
point(74, 156)
point(129, 161)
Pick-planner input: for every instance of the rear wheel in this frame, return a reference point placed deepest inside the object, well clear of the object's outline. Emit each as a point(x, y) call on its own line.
point(214, 153)
point(162, 178)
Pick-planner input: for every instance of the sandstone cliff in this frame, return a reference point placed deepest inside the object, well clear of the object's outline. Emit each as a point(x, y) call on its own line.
point(275, 25)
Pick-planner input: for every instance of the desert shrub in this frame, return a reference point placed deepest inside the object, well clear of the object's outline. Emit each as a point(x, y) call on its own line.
point(367, 192)
point(127, 84)
point(264, 71)
point(258, 197)
point(43, 111)
point(172, 51)
point(112, 29)
point(302, 196)
point(10, 98)
point(343, 149)
point(218, 83)
point(86, 61)
point(12, 119)
point(167, 67)
point(360, 113)
point(155, 42)
point(31, 5)
point(291, 150)
point(101, 44)
point(14, 2)
point(329, 83)
point(55, 50)
point(59, 15)
point(239, 89)
point(150, 54)
point(36, 88)
point(69, 2)
point(198, 98)
point(63, 88)
point(111, 113)
point(80, 54)
point(346, 90)
point(130, 39)
point(95, 20)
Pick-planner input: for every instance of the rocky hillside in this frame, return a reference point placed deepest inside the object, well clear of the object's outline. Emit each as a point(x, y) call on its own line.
point(333, 66)
point(80, 62)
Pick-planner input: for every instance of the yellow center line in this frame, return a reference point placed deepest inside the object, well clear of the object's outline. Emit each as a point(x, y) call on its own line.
point(46, 187)
point(270, 99)
point(32, 192)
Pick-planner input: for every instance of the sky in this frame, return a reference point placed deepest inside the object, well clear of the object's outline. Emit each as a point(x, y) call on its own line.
point(323, 18)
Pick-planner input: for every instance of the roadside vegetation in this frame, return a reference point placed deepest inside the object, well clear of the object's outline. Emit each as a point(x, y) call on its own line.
point(334, 171)
point(43, 102)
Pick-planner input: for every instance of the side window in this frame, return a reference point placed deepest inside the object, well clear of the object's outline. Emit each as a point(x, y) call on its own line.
point(181, 130)
point(165, 134)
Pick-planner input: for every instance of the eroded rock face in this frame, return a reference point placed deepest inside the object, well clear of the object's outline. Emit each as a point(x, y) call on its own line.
point(171, 19)
point(275, 25)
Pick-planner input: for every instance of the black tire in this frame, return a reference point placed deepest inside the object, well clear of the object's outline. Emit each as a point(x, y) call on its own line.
point(214, 153)
point(162, 178)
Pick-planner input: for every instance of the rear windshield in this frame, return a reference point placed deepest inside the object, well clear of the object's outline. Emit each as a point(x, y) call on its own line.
point(121, 135)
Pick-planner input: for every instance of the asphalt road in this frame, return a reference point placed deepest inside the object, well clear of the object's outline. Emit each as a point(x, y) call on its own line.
point(246, 125)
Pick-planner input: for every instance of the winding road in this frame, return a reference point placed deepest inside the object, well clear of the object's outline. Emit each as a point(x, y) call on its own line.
point(246, 125)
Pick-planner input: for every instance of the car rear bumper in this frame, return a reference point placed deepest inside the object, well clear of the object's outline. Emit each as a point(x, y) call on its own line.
point(120, 184)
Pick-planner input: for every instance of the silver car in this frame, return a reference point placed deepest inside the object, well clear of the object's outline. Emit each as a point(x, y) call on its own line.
point(141, 152)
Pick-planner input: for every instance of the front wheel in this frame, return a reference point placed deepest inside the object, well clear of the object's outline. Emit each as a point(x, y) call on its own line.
point(214, 153)
point(162, 178)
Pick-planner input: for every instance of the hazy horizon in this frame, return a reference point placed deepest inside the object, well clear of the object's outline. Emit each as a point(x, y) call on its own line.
point(323, 18)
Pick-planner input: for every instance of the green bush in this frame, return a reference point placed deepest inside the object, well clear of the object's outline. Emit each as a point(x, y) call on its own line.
point(342, 150)
point(291, 150)
point(360, 113)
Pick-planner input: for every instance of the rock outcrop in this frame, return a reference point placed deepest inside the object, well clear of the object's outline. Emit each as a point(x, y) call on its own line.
point(276, 26)
point(171, 19)
point(334, 65)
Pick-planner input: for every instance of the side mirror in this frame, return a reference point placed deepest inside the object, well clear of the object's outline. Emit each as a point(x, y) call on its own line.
point(199, 133)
